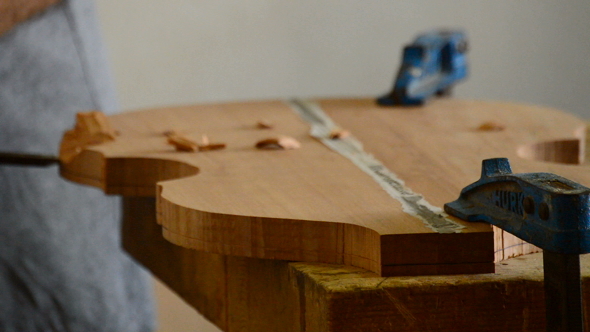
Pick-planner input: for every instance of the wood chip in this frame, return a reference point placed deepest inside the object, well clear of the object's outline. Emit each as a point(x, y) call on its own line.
point(491, 126)
point(263, 124)
point(278, 143)
point(212, 146)
point(182, 143)
point(91, 128)
point(168, 133)
point(339, 134)
point(206, 145)
point(204, 140)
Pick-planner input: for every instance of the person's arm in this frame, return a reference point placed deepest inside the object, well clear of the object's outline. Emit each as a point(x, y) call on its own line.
point(13, 12)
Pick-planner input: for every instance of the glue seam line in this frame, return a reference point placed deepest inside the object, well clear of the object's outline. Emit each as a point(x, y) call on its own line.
point(412, 203)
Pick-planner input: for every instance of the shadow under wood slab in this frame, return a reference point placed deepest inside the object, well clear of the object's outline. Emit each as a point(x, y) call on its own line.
point(249, 294)
point(312, 204)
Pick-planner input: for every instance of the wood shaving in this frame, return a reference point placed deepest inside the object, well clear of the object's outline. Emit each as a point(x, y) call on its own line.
point(339, 134)
point(206, 145)
point(91, 128)
point(204, 140)
point(212, 146)
point(169, 133)
point(491, 126)
point(263, 124)
point(182, 143)
point(278, 143)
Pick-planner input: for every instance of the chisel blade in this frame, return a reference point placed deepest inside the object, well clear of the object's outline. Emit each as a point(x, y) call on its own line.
point(24, 159)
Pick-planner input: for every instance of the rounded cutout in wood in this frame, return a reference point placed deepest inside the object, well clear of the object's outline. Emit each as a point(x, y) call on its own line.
point(567, 151)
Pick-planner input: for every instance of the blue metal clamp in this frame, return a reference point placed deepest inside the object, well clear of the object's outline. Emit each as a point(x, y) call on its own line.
point(432, 64)
point(544, 209)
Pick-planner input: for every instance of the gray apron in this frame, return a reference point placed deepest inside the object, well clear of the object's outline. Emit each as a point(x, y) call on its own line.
point(61, 264)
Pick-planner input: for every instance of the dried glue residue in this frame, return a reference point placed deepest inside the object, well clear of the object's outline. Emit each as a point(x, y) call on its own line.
point(412, 203)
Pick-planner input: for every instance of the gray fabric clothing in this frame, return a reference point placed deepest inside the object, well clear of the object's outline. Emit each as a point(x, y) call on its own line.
point(61, 265)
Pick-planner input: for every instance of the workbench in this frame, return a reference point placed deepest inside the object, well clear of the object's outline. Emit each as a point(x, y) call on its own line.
point(246, 291)
point(249, 294)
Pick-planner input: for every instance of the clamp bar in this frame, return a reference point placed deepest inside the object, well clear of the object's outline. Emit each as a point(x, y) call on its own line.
point(563, 292)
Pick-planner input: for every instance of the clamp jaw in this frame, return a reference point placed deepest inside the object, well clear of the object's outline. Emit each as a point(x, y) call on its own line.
point(544, 209)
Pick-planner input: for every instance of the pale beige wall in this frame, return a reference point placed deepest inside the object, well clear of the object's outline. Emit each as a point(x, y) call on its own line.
point(187, 51)
point(192, 51)
point(174, 315)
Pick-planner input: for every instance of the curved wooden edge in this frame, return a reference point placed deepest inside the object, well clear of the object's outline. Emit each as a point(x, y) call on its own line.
point(140, 176)
point(125, 176)
point(88, 168)
point(284, 239)
point(325, 242)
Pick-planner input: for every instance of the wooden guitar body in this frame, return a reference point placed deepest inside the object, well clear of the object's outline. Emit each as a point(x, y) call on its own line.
point(312, 203)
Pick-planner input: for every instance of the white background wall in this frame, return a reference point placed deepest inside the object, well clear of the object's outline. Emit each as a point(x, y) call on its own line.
point(193, 51)
point(190, 51)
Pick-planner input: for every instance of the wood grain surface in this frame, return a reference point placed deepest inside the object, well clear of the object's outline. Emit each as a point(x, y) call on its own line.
point(311, 204)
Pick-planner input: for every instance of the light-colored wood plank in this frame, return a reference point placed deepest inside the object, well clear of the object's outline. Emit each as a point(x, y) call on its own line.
point(311, 204)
